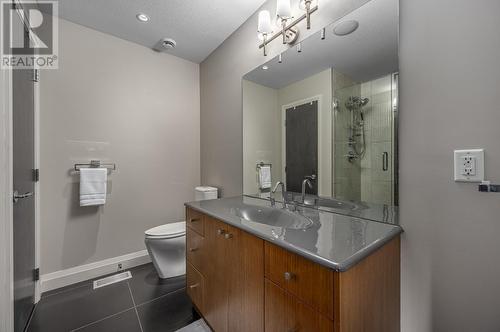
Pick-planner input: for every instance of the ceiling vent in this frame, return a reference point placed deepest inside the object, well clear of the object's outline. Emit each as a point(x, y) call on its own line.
point(165, 45)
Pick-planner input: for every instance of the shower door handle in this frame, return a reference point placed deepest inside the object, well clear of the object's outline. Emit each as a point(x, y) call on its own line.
point(385, 161)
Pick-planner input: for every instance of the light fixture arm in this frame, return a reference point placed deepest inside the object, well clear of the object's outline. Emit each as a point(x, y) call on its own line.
point(285, 28)
point(265, 43)
point(308, 13)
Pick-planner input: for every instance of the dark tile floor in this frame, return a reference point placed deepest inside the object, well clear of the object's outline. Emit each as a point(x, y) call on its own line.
point(144, 303)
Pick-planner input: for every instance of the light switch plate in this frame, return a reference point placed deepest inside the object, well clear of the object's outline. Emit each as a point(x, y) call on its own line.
point(469, 165)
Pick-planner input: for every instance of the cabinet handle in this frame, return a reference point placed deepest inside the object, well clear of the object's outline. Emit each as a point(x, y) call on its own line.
point(193, 249)
point(221, 232)
point(194, 286)
point(194, 219)
point(227, 236)
point(289, 276)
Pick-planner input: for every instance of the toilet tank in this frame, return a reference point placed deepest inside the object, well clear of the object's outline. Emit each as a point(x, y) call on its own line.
point(203, 193)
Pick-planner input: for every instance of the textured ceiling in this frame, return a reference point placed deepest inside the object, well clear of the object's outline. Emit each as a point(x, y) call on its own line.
point(198, 26)
point(369, 52)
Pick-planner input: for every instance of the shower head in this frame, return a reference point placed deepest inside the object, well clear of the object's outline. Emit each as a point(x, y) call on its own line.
point(355, 103)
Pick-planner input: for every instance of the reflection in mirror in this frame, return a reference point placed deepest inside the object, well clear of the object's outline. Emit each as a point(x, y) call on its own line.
point(324, 120)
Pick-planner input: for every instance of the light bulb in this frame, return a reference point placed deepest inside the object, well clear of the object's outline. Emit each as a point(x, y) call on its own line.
point(264, 25)
point(284, 9)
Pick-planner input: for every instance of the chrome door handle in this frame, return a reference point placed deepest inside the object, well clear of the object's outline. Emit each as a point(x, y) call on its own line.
point(385, 161)
point(227, 236)
point(17, 196)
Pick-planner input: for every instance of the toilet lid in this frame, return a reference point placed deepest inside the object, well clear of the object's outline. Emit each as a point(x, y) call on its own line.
point(167, 230)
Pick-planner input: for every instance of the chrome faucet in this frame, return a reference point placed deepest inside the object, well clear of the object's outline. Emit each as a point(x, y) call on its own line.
point(283, 193)
point(307, 181)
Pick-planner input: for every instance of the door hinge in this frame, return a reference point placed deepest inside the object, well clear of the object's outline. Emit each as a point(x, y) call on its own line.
point(36, 274)
point(36, 175)
point(36, 75)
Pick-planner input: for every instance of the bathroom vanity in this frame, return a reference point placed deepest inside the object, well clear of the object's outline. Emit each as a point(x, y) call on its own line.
point(253, 267)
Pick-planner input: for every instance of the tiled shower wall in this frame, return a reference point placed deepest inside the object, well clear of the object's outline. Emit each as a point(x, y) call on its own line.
point(347, 175)
point(377, 184)
point(365, 179)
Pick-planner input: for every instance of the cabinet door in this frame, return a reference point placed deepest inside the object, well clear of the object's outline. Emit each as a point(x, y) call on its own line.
point(195, 286)
point(216, 290)
point(285, 313)
point(245, 273)
point(310, 282)
point(196, 251)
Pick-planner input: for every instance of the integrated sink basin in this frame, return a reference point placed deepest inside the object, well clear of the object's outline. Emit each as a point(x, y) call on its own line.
point(332, 203)
point(274, 217)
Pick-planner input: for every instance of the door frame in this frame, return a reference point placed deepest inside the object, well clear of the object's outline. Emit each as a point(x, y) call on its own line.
point(6, 190)
point(317, 98)
point(36, 136)
point(6, 205)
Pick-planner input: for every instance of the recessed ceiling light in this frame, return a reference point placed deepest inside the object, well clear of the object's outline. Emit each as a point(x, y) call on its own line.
point(345, 28)
point(265, 67)
point(142, 17)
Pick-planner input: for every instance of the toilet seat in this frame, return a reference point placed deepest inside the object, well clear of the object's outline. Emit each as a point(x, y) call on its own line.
point(167, 231)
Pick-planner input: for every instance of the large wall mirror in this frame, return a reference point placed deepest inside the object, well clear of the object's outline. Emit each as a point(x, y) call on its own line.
point(326, 110)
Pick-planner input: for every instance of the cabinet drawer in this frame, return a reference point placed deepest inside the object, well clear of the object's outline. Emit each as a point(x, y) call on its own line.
point(285, 313)
point(195, 251)
point(308, 281)
point(195, 221)
point(195, 286)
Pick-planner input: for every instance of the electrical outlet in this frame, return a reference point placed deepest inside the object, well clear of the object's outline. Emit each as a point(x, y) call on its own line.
point(469, 165)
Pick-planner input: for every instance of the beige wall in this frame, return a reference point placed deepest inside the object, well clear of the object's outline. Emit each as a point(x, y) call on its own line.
point(123, 103)
point(449, 99)
point(318, 85)
point(262, 137)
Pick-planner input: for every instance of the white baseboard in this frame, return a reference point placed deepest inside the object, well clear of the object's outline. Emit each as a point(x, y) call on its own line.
point(80, 273)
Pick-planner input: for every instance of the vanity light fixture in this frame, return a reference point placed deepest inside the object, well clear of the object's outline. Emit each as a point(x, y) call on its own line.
point(284, 19)
point(142, 17)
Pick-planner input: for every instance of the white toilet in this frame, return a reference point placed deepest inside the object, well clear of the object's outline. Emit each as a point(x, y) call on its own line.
point(166, 244)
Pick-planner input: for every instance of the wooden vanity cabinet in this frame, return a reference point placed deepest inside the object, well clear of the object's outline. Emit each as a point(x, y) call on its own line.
point(241, 283)
point(231, 265)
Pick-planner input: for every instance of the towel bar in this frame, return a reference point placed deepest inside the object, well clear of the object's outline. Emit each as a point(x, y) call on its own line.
point(261, 164)
point(95, 164)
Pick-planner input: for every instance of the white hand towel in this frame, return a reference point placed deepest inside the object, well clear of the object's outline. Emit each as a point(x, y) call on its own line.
point(93, 186)
point(265, 177)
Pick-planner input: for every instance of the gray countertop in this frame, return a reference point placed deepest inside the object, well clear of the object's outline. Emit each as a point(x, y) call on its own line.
point(333, 240)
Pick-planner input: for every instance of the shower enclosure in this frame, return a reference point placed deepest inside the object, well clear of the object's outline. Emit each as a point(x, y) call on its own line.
point(365, 125)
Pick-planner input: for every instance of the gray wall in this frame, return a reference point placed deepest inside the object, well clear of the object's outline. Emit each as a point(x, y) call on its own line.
point(450, 80)
point(221, 97)
point(450, 84)
point(119, 102)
